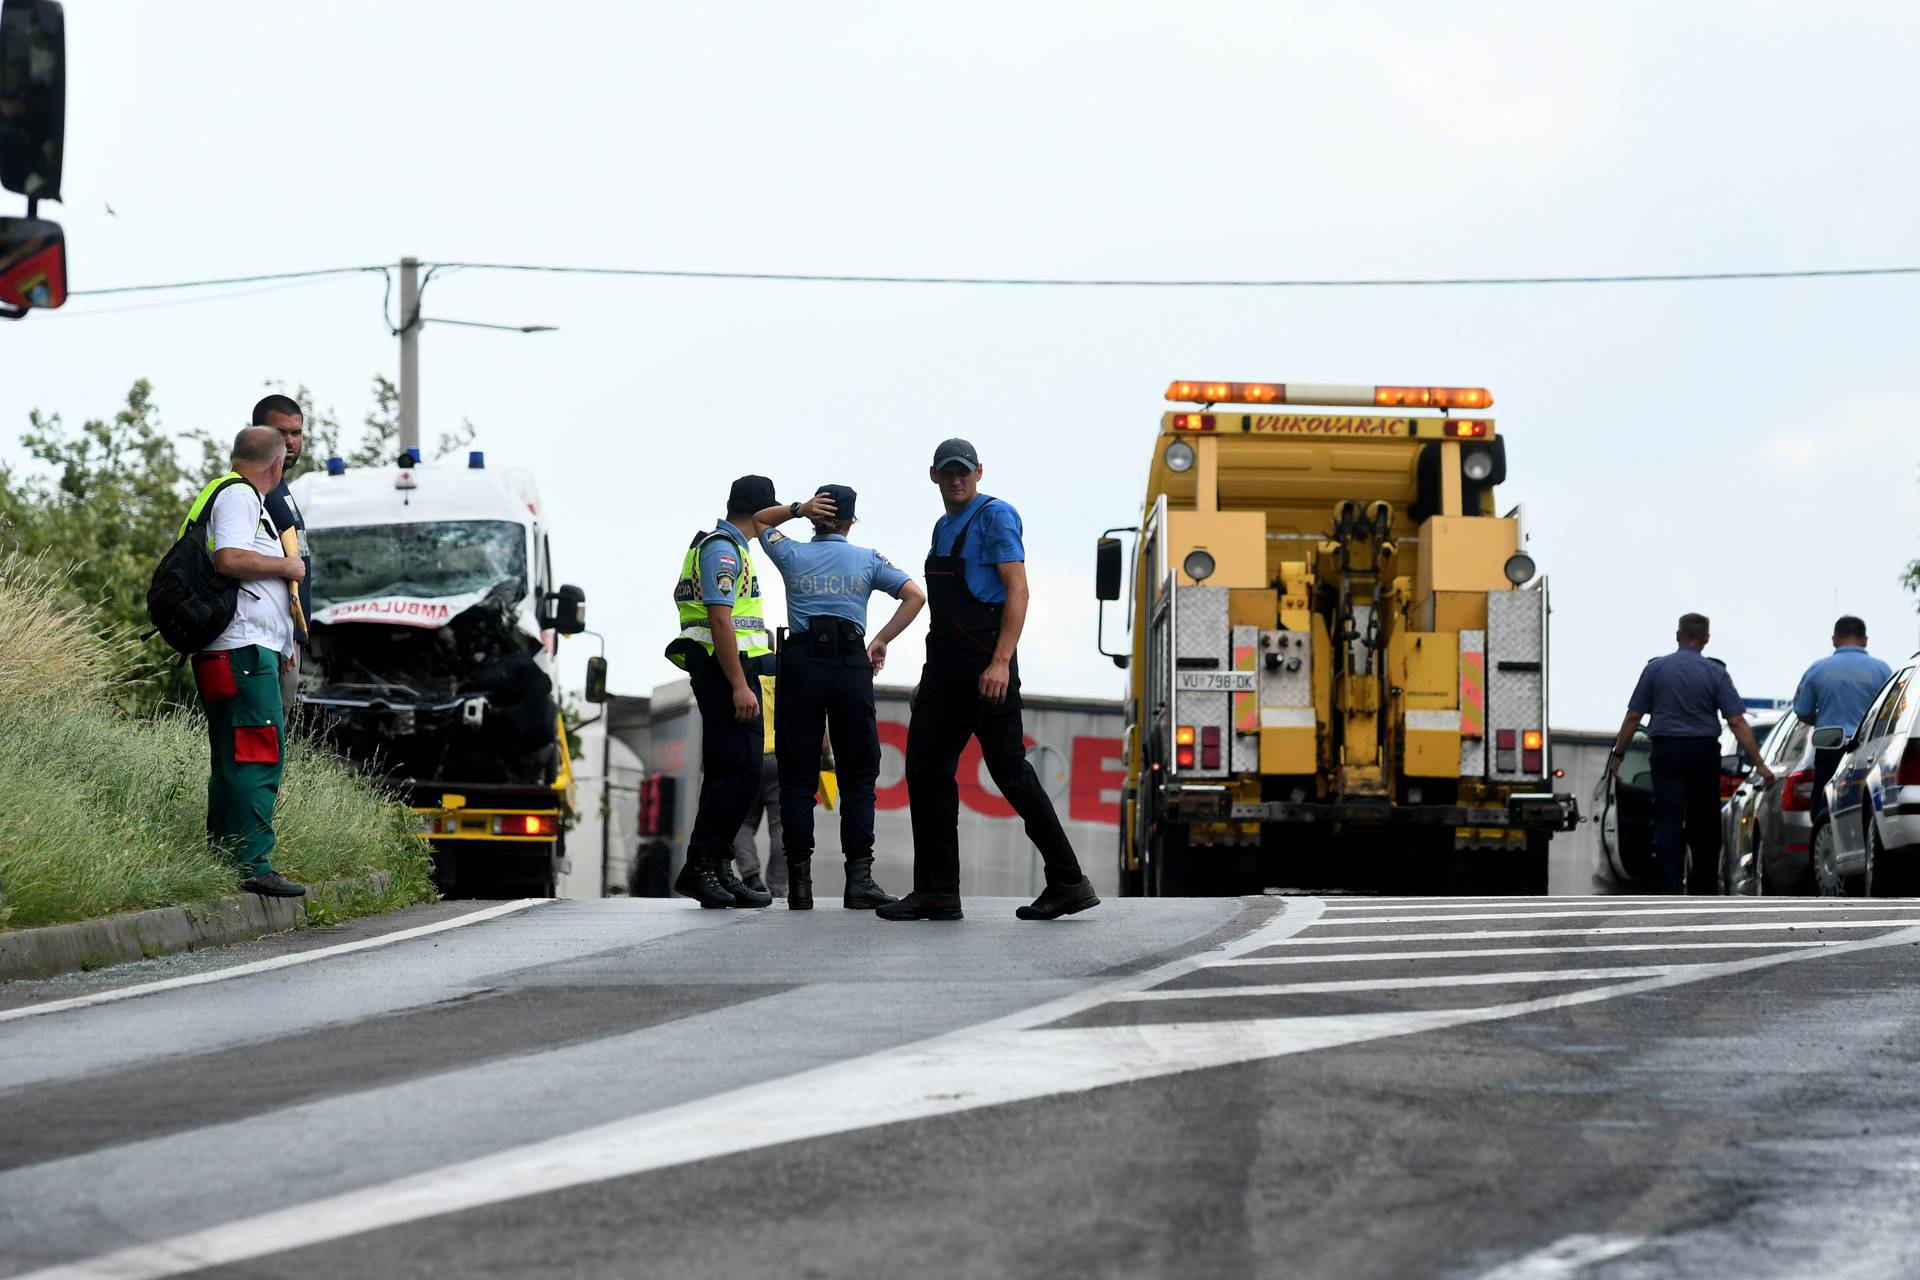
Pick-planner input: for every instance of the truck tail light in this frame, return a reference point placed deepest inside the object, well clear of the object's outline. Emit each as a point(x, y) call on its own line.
point(1466, 429)
point(1909, 775)
point(1210, 747)
point(1532, 753)
point(1193, 422)
point(1796, 791)
point(525, 824)
point(1503, 750)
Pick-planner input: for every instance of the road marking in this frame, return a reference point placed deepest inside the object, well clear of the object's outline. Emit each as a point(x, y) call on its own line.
point(1341, 905)
point(1564, 1257)
point(1636, 912)
point(1379, 957)
point(1011, 1059)
point(1406, 984)
point(265, 966)
point(1348, 939)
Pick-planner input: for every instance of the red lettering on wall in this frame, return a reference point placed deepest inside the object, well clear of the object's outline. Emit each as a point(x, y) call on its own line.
point(1099, 773)
point(892, 734)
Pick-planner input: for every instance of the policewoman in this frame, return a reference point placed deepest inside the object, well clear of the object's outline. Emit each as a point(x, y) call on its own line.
point(238, 675)
point(827, 667)
point(1686, 693)
point(723, 647)
point(970, 688)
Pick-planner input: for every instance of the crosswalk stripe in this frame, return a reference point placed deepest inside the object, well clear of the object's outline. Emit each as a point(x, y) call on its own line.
point(1641, 911)
point(1349, 939)
point(1408, 984)
point(1481, 952)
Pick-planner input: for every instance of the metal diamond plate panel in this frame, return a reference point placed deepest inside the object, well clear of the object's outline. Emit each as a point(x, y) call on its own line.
point(1473, 654)
point(1203, 643)
point(1516, 667)
point(1246, 706)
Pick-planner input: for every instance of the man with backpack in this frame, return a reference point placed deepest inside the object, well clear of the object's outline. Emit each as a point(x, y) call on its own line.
point(238, 673)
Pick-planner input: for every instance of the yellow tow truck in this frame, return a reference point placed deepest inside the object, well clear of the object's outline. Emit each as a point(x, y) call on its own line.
point(1337, 650)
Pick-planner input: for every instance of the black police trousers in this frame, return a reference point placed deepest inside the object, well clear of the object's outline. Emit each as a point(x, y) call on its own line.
point(947, 710)
point(1686, 811)
point(831, 695)
point(730, 754)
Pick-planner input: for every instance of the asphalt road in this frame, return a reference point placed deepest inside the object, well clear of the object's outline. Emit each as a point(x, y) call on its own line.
point(1340, 1087)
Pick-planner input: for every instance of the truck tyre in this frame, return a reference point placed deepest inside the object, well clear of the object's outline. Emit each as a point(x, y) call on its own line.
point(1130, 883)
point(1531, 865)
point(1170, 871)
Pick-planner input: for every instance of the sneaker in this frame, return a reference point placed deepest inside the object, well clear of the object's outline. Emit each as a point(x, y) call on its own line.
point(274, 885)
point(922, 906)
point(1060, 900)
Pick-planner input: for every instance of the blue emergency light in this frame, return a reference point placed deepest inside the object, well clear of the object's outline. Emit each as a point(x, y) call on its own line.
point(476, 461)
point(336, 466)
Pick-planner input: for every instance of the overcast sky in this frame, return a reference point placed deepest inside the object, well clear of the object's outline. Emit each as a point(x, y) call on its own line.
point(1745, 449)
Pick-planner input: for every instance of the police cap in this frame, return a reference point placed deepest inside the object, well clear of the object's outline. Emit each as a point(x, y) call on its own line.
point(751, 493)
point(843, 498)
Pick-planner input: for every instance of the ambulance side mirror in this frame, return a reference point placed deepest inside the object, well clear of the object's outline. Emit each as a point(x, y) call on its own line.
point(1107, 567)
point(567, 611)
point(596, 690)
point(33, 265)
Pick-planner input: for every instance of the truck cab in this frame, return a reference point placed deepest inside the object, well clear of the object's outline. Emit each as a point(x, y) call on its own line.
point(435, 622)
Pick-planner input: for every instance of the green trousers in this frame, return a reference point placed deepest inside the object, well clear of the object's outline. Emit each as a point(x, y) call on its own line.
point(240, 689)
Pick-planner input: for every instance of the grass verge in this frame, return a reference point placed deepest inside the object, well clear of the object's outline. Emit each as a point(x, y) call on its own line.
point(108, 813)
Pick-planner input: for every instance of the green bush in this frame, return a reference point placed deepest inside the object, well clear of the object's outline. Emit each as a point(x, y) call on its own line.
point(107, 813)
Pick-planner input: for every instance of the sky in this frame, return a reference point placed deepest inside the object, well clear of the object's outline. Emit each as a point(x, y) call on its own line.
point(1741, 449)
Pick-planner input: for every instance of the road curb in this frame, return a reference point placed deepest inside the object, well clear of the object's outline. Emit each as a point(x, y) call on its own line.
point(138, 935)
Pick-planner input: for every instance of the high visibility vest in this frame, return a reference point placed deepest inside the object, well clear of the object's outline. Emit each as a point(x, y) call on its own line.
point(206, 496)
point(749, 612)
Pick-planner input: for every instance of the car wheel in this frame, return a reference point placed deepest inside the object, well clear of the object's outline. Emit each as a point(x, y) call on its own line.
point(1827, 880)
point(1886, 878)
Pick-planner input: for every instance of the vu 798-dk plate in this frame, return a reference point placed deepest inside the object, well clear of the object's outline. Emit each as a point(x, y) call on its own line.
point(1217, 681)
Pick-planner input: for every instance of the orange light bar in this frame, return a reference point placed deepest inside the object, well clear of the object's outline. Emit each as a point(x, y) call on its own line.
point(1433, 397)
point(1200, 391)
point(1183, 736)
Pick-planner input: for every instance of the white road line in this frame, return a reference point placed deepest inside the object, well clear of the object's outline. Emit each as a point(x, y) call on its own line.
point(1380, 957)
point(1564, 1257)
point(265, 966)
point(1642, 911)
point(1349, 939)
point(1548, 905)
point(1009, 1060)
point(1405, 984)
point(1341, 905)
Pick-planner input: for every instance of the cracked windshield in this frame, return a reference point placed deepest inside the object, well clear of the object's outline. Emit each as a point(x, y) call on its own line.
point(445, 558)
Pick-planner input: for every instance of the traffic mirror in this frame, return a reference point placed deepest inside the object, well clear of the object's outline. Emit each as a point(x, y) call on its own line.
point(1106, 569)
point(33, 96)
point(33, 265)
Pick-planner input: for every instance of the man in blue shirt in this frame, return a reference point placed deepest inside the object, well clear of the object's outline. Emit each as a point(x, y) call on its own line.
point(827, 667)
point(1686, 693)
point(1838, 689)
point(970, 688)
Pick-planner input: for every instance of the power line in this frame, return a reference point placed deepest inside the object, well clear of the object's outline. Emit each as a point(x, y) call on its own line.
point(1304, 283)
point(1383, 282)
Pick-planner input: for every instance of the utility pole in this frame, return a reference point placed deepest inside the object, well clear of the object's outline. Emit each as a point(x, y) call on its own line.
point(409, 354)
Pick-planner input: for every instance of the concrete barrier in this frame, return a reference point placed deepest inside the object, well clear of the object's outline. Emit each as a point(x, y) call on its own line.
point(137, 935)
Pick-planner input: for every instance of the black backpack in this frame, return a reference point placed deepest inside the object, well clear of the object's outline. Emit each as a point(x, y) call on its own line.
point(189, 600)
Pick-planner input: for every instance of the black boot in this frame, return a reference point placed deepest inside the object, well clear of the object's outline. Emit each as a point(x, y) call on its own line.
point(799, 884)
point(730, 880)
point(922, 906)
point(697, 880)
point(862, 893)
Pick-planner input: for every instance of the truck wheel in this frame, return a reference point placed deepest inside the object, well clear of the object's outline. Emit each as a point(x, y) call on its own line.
point(1531, 865)
point(1170, 871)
point(1131, 883)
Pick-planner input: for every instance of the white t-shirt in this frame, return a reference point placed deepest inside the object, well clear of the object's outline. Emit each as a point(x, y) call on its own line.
point(263, 615)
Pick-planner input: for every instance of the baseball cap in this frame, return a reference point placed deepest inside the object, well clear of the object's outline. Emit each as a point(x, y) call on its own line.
point(956, 450)
point(751, 493)
point(843, 499)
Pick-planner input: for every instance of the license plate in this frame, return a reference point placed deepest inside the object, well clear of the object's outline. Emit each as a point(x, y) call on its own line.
point(1216, 682)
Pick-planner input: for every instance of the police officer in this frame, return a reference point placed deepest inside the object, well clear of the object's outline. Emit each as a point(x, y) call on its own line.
point(722, 646)
point(1838, 689)
point(1683, 691)
point(970, 688)
point(827, 667)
